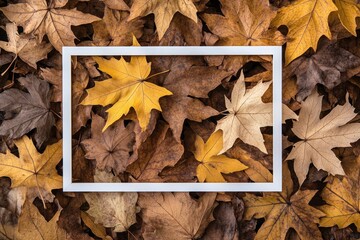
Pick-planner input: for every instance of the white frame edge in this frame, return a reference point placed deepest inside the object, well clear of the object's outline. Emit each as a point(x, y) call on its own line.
point(275, 186)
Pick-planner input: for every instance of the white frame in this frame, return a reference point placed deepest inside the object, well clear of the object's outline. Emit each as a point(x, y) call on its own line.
point(275, 186)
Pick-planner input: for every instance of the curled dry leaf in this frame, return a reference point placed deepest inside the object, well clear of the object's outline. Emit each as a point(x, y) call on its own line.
point(164, 11)
point(320, 136)
point(39, 18)
point(111, 148)
point(211, 164)
point(126, 89)
point(171, 216)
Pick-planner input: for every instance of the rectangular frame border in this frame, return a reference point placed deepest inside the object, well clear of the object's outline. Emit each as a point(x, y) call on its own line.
point(275, 51)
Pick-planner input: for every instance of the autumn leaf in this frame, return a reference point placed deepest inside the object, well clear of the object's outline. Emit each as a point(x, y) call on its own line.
point(111, 148)
point(188, 83)
point(158, 151)
point(24, 46)
point(32, 225)
point(116, 4)
point(127, 88)
point(164, 11)
point(115, 29)
point(307, 21)
point(348, 11)
point(342, 198)
point(245, 22)
point(39, 18)
point(33, 169)
point(116, 210)
point(211, 164)
point(32, 110)
point(247, 114)
point(325, 67)
point(320, 136)
point(171, 216)
point(283, 211)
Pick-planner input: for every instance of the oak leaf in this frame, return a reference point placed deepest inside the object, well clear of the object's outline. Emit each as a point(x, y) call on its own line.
point(32, 109)
point(320, 136)
point(348, 11)
point(24, 46)
point(127, 88)
point(307, 21)
point(325, 66)
point(212, 164)
point(39, 18)
point(342, 198)
point(171, 216)
point(116, 210)
point(283, 211)
point(33, 169)
point(245, 22)
point(164, 11)
point(247, 114)
point(111, 148)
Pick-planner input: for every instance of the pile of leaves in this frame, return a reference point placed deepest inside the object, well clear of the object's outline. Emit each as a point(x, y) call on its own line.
point(180, 119)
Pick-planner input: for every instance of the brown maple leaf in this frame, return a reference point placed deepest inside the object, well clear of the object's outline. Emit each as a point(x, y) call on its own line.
point(39, 18)
point(326, 67)
point(111, 148)
point(25, 46)
point(115, 30)
point(283, 211)
point(32, 110)
point(188, 83)
point(157, 152)
point(171, 216)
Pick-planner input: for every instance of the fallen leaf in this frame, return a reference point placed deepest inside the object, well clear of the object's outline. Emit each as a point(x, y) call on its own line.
point(115, 29)
point(245, 22)
point(169, 216)
point(157, 152)
point(111, 148)
point(117, 210)
point(188, 83)
point(320, 136)
point(97, 229)
point(24, 46)
point(283, 211)
point(325, 67)
point(164, 11)
point(306, 21)
point(342, 198)
point(127, 88)
point(348, 11)
point(247, 114)
point(33, 169)
point(32, 108)
point(32, 225)
point(116, 4)
point(39, 18)
point(211, 164)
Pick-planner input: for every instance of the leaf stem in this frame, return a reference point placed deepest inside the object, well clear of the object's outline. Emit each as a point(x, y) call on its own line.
point(3, 73)
point(156, 74)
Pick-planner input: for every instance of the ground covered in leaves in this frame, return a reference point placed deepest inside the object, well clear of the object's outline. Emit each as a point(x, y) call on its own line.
point(180, 119)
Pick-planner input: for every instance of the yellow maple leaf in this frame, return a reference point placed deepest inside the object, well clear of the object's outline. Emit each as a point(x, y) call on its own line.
point(31, 168)
point(349, 10)
point(307, 21)
point(212, 165)
point(127, 88)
